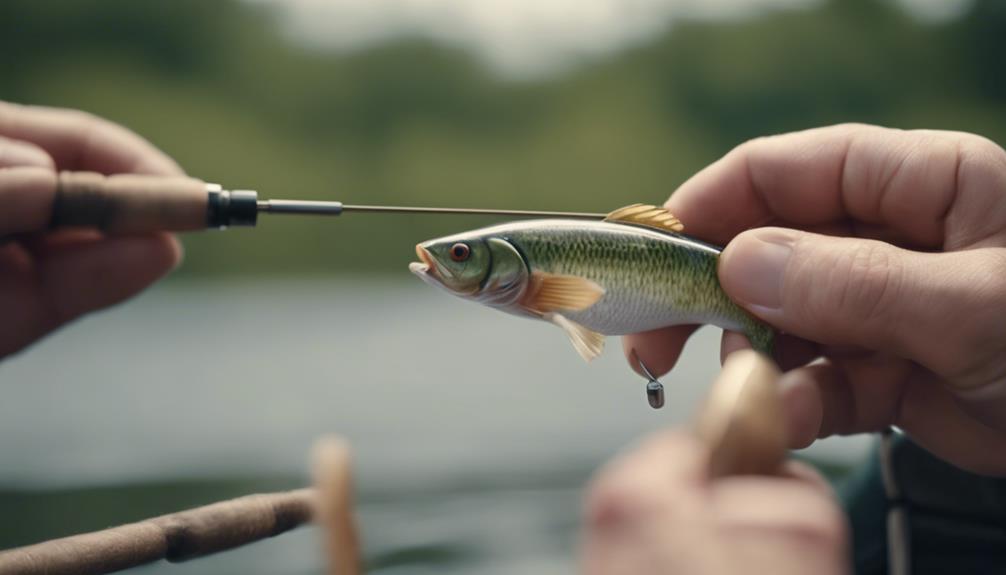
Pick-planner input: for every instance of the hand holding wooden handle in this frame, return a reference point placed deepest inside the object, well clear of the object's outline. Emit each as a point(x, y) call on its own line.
point(129, 203)
point(742, 418)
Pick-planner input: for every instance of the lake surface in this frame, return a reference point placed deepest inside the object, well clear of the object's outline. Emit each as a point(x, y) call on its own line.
point(474, 432)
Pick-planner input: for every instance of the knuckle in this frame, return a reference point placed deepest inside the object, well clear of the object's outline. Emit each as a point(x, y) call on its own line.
point(81, 125)
point(748, 148)
point(862, 283)
point(981, 159)
point(86, 122)
point(982, 148)
point(974, 355)
point(752, 143)
point(825, 526)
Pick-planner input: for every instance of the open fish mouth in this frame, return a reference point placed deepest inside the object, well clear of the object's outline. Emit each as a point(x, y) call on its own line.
point(426, 268)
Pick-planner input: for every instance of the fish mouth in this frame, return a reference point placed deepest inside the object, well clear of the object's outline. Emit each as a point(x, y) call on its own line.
point(426, 267)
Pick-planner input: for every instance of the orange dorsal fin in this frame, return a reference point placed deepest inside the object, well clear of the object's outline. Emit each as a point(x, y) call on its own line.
point(646, 215)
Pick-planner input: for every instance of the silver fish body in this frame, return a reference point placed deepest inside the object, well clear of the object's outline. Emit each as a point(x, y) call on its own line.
point(589, 278)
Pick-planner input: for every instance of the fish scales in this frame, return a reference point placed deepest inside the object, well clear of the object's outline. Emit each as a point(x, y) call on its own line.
point(650, 279)
point(591, 278)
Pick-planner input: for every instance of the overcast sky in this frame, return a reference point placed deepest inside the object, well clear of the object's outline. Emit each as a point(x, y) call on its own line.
point(527, 37)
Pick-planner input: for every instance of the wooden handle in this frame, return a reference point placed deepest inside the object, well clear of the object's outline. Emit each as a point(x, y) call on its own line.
point(175, 537)
point(129, 203)
point(742, 419)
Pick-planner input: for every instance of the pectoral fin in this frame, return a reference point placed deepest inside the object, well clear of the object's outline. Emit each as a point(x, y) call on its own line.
point(645, 215)
point(587, 343)
point(550, 292)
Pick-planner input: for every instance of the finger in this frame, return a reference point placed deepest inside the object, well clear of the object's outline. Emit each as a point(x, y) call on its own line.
point(626, 489)
point(80, 141)
point(788, 351)
point(810, 476)
point(81, 277)
point(930, 414)
point(802, 406)
point(792, 352)
point(40, 245)
point(909, 181)
point(17, 153)
point(986, 404)
point(730, 342)
point(659, 349)
point(772, 505)
point(26, 194)
point(77, 278)
point(931, 308)
point(853, 396)
point(852, 228)
point(638, 496)
point(864, 395)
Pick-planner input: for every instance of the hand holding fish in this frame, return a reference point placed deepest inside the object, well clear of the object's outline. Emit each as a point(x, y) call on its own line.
point(887, 258)
point(48, 279)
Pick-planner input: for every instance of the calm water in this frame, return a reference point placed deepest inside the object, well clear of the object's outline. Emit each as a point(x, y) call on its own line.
point(474, 432)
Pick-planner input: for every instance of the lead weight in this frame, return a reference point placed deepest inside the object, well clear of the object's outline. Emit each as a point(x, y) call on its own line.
point(655, 394)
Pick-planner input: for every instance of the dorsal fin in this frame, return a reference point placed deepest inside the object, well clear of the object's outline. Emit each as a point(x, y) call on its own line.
point(646, 215)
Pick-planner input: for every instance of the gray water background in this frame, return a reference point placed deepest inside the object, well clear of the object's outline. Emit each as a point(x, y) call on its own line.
point(474, 432)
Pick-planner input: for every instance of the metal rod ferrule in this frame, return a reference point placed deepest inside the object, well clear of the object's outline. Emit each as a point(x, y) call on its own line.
point(226, 208)
point(300, 207)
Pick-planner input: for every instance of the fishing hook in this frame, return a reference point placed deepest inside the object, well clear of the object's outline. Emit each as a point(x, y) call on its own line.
point(654, 389)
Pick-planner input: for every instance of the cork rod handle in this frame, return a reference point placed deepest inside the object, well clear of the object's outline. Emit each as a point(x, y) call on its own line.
point(129, 203)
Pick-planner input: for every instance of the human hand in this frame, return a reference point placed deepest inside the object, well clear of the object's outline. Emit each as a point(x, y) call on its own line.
point(898, 280)
point(49, 278)
point(656, 510)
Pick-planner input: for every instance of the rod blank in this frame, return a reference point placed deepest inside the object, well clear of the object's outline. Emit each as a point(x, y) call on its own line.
point(337, 208)
point(129, 204)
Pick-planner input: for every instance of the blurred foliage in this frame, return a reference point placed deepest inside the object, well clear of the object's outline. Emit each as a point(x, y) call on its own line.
point(219, 88)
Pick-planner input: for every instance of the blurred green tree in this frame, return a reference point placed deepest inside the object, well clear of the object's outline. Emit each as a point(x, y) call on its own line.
point(218, 87)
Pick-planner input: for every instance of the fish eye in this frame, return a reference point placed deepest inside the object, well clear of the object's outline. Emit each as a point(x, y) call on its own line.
point(460, 252)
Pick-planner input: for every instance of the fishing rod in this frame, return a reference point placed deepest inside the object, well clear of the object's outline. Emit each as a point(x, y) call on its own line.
point(130, 203)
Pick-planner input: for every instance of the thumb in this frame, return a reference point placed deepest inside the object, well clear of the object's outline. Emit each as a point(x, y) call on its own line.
point(931, 308)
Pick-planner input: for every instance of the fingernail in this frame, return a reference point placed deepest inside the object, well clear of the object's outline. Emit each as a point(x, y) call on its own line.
point(754, 264)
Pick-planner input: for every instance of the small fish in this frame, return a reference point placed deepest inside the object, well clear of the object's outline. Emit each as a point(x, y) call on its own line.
point(630, 273)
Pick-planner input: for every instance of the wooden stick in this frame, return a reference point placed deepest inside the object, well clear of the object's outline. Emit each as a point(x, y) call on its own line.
point(333, 480)
point(175, 537)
